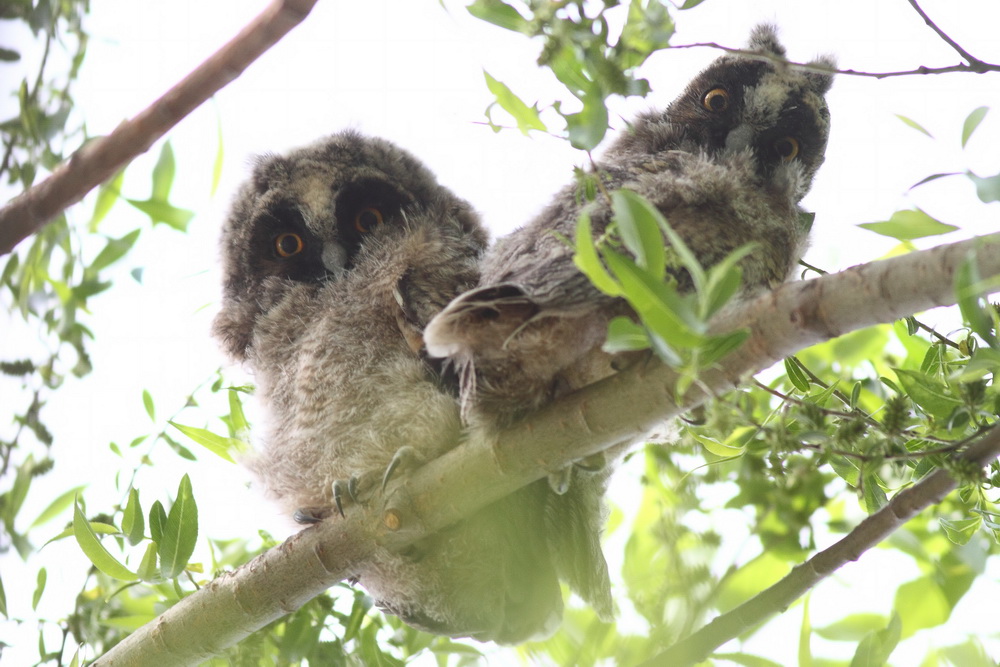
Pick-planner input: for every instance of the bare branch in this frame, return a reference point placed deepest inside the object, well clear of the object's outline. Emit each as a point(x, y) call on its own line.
point(901, 508)
point(974, 66)
point(481, 471)
point(969, 58)
point(97, 161)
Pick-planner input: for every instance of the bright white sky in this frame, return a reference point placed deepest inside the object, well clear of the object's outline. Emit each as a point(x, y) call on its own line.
point(412, 72)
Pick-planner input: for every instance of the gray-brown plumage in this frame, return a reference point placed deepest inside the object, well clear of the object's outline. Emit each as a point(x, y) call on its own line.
point(726, 163)
point(336, 256)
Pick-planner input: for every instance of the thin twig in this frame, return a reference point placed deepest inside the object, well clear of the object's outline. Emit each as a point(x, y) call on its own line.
point(969, 58)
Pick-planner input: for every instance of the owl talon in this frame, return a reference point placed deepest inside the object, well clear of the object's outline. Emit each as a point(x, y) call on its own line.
point(559, 480)
point(340, 487)
point(405, 459)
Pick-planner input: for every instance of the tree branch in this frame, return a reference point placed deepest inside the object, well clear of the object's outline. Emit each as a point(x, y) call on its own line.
point(98, 160)
point(969, 58)
point(481, 471)
point(901, 508)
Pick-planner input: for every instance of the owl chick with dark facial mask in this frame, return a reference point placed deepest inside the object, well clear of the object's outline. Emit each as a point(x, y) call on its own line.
point(726, 163)
point(336, 257)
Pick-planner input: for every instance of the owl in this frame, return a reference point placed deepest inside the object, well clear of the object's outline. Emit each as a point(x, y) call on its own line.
point(726, 163)
point(336, 256)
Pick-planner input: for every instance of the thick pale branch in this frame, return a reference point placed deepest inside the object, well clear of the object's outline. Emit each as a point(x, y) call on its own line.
point(904, 506)
point(481, 471)
point(98, 160)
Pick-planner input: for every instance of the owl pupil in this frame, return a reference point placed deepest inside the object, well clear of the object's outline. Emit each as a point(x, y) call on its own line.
point(367, 219)
point(288, 245)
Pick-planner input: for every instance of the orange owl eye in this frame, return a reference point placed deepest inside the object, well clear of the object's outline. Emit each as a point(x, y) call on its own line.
point(288, 244)
point(716, 100)
point(367, 219)
point(787, 148)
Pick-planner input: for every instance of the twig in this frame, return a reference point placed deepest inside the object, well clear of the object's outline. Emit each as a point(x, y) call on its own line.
point(97, 161)
point(904, 506)
point(969, 58)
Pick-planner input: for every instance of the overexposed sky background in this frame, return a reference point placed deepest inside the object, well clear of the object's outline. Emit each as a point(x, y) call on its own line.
point(413, 72)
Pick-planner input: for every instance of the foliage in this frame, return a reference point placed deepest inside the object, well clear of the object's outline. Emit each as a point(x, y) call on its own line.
point(796, 457)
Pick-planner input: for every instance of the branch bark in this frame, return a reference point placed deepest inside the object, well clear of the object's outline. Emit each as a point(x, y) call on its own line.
point(478, 472)
point(98, 160)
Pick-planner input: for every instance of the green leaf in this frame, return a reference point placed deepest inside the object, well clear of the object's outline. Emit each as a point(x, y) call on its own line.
point(133, 523)
point(987, 189)
point(752, 578)
point(798, 377)
point(930, 394)
point(587, 128)
point(921, 604)
point(967, 292)
point(147, 402)
point(157, 520)
point(586, 259)
point(657, 304)
point(720, 449)
point(163, 173)
point(724, 280)
point(147, 567)
point(915, 125)
point(526, 117)
point(39, 588)
point(3, 600)
point(220, 155)
point(57, 506)
point(180, 533)
point(161, 211)
point(219, 445)
point(960, 531)
point(95, 551)
point(909, 225)
point(852, 628)
point(717, 347)
point(688, 4)
point(9, 55)
point(805, 632)
point(237, 418)
point(624, 335)
point(972, 121)
point(114, 250)
point(637, 224)
point(498, 13)
point(687, 258)
point(107, 195)
point(875, 649)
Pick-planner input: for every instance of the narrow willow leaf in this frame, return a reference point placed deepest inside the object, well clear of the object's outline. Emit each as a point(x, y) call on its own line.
point(95, 551)
point(114, 250)
point(934, 177)
point(157, 519)
point(133, 522)
point(921, 603)
point(972, 121)
point(718, 347)
point(162, 211)
point(909, 225)
point(624, 335)
point(586, 259)
point(163, 173)
point(874, 650)
point(915, 125)
point(43, 576)
point(3, 600)
point(852, 628)
point(147, 402)
point(57, 506)
point(969, 303)
point(638, 227)
point(217, 444)
point(498, 13)
point(237, 417)
point(796, 375)
point(587, 128)
point(180, 533)
point(107, 195)
point(526, 117)
point(687, 258)
point(220, 154)
point(718, 448)
point(805, 633)
point(658, 305)
point(931, 395)
point(147, 567)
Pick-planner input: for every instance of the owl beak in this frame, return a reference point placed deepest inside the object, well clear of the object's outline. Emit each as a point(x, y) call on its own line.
point(334, 258)
point(740, 139)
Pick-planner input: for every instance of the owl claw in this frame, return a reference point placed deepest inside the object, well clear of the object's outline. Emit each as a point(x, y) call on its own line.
point(339, 488)
point(405, 459)
point(309, 515)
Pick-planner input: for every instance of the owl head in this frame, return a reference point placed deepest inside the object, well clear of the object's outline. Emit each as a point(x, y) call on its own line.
point(749, 105)
point(309, 217)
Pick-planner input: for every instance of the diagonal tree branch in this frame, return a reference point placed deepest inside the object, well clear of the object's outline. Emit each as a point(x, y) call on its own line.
point(969, 58)
point(481, 471)
point(905, 505)
point(98, 160)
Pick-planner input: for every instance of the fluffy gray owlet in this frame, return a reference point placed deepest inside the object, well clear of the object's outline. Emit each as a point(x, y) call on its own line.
point(726, 163)
point(336, 256)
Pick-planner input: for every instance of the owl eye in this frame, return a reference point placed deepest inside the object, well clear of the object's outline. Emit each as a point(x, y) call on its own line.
point(288, 244)
point(716, 100)
point(787, 148)
point(367, 219)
